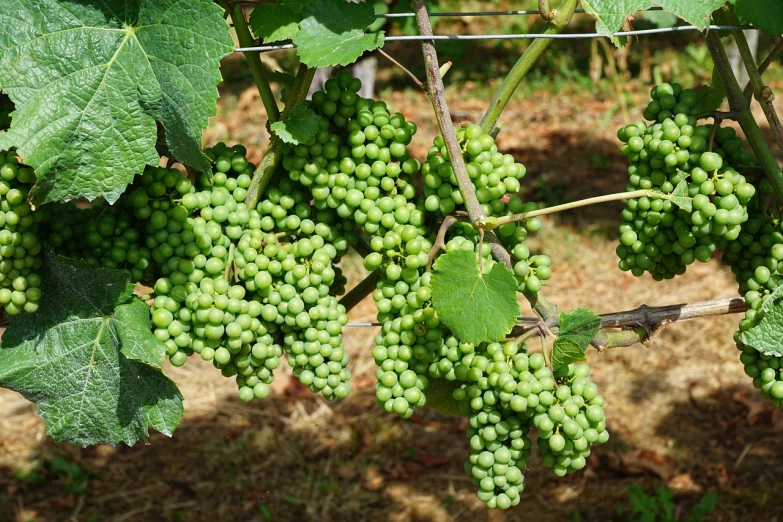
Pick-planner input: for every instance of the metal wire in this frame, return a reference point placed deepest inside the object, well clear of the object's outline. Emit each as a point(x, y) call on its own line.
point(371, 324)
point(464, 14)
point(522, 36)
point(458, 14)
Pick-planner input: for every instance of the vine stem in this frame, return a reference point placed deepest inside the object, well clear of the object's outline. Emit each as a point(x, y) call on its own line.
point(254, 63)
point(724, 115)
point(556, 24)
point(641, 324)
point(491, 223)
point(437, 95)
point(764, 65)
point(274, 154)
point(360, 291)
point(548, 311)
point(403, 68)
point(761, 92)
point(738, 102)
point(436, 92)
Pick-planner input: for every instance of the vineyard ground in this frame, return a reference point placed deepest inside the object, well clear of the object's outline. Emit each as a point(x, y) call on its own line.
point(682, 414)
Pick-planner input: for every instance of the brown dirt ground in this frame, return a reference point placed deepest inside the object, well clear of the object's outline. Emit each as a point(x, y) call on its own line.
point(681, 413)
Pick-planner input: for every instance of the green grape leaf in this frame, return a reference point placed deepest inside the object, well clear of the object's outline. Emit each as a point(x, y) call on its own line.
point(332, 32)
point(695, 12)
point(275, 22)
point(681, 198)
point(710, 97)
point(767, 336)
point(88, 359)
point(610, 14)
point(296, 5)
point(300, 126)
point(769, 303)
point(577, 328)
point(92, 80)
point(476, 307)
point(766, 15)
point(660, 18)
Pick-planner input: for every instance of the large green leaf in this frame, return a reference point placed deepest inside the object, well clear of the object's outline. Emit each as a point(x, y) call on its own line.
point(766, 15)
point(299, 127)
point(767, 336)
point(91, 80)
point(275, 22)
point(476, 307)
point(610, 14)
point(88, 359)
point(696, 12)
point(332, 32)
point(577, 329)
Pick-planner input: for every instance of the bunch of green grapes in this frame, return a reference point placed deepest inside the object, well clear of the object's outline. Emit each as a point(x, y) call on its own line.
point(564, 407)
point(243, 286)
point(496, 179)
point(411, 330)
point(493, 173)
point(573, 419)
point(358, 163)
point(20, 245)
point(499, 449)
point(756, 259)
point(497, 432)
point(656, 236)
point(521, 390)
point(103, 236)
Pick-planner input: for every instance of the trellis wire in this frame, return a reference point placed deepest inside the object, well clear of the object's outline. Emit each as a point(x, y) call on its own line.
point(366, 324)
point(459, 14)
point(521, 36)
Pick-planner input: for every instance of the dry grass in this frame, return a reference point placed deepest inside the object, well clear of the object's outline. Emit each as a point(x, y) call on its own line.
point(682, 413)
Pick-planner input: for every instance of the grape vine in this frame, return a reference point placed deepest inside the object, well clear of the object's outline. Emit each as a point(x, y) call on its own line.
point(105, 188)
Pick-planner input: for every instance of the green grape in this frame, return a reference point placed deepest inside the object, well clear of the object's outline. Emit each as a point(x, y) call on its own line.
point(656, 236)
point(20, 232)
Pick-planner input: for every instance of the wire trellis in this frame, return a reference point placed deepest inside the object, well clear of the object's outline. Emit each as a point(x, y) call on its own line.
point(372, 324)
point(461, 14)
point(519, 36)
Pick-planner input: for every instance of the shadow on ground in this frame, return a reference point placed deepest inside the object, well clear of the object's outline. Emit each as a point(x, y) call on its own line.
point(301, 459)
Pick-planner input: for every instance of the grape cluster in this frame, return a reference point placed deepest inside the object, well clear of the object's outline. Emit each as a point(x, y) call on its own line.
point(20, 246)
point(240, 286)
point(756, 259)
point(520, 391)
point(496, 179)
point(493, 174)
point(574, 421)
point(103, 236)
point(357, 164)
point(657, 236)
